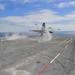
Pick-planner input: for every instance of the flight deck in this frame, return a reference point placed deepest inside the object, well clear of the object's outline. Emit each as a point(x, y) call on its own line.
point(29, 57)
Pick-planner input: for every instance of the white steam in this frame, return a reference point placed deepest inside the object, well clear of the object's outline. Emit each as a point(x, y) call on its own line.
point(13, 37)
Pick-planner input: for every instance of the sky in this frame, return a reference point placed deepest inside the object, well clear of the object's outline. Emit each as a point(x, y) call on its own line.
point(22, 15)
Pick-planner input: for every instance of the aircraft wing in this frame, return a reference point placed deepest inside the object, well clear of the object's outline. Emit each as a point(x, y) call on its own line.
point(39, 31)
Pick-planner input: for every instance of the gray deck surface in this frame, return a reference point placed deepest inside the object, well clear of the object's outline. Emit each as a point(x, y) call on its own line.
point(29, 57)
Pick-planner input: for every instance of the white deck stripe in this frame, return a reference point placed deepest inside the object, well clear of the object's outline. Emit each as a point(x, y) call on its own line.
point(67, 46)
point(69, 40)
point(55, 58)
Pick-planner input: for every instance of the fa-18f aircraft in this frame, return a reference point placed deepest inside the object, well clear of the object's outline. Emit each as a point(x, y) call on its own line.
point(43, 29)
point(45, 33)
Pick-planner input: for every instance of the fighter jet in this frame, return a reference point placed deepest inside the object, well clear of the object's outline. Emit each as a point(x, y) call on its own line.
point(43, 29)
point(45, 33)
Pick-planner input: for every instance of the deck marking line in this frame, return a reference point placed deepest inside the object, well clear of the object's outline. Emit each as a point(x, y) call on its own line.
point(69, 40)
point(62, 42)
point(67, 46)
point(55, 58)
point(66, 40)
point(48, 65)
point(51, 61)
point(44, 69)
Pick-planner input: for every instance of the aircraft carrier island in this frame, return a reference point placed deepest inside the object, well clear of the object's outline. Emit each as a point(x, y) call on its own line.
point(29, 57)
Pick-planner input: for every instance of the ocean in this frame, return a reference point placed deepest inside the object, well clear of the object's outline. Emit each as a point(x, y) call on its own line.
point(16, 35)
point(57, 33)
point(64, 33)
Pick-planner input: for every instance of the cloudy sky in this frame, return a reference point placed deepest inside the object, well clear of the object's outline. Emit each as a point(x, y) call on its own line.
point(22, 15)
